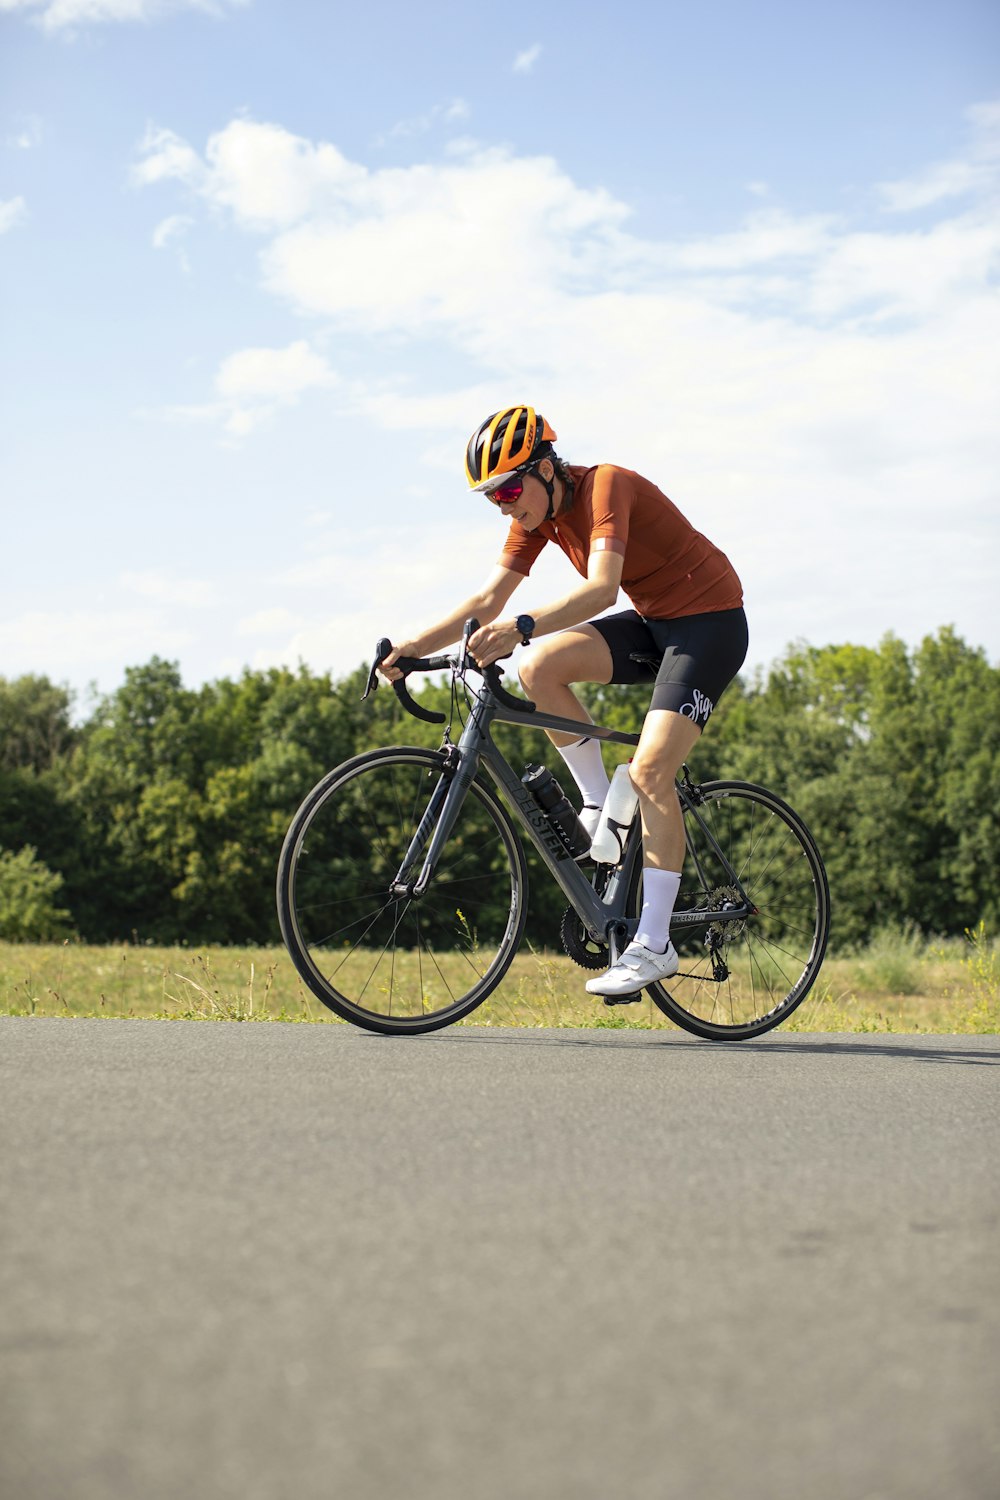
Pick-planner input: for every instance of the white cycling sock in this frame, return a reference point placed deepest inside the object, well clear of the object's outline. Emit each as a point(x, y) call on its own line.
point(659, 892)
point(586, 765)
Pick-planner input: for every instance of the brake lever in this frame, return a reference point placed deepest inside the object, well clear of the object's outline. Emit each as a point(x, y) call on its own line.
point(381, 652)
point(399, 685)
point(471, 626)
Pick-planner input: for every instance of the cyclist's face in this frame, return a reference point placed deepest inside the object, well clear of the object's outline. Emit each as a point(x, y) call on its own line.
point(529, 507)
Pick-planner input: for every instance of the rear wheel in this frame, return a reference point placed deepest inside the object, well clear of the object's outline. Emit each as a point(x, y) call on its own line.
point(386, 960)
point(740, 975)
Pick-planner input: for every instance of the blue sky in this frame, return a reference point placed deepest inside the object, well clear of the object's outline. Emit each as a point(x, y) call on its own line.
point(263, 266)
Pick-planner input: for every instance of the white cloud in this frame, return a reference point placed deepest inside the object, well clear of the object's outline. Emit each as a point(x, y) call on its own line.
point(266, 176)
point(361, 583)
point(170, 233)
point(975, 172)
point(164, 156)
point(66, 15)
point(170, 229)
point(808, 386)
point(253, 384)
point(420, 249)
point(414, 125)
point(269, 622)
point(90, 643)
point(13, 211)
point(525, 61)
point(28, 133)
point(272, 374)
point(161, 588)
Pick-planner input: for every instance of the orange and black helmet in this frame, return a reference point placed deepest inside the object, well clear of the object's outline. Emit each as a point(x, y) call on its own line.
point(507, 443)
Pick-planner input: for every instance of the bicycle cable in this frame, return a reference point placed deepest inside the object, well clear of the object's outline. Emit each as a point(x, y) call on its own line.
point(456, 705)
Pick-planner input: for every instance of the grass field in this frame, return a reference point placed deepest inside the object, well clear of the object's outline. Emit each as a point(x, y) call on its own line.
point(899, 983)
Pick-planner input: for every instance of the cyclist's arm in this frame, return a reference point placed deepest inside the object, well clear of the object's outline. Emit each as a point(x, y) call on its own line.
point(483, 606)
point(604, 575)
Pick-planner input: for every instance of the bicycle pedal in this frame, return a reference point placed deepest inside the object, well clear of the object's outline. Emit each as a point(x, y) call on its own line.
point(623, 999)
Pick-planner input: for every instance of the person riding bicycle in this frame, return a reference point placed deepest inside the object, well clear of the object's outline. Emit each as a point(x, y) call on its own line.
point(620, 532)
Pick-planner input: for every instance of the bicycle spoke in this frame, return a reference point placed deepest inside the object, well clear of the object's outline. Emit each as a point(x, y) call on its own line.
point(757, 966)
point(404, 962)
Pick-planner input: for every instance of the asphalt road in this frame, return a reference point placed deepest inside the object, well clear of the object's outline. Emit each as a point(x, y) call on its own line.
point(270, 1261)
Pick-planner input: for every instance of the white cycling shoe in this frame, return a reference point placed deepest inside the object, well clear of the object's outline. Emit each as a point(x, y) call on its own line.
point(636, 967)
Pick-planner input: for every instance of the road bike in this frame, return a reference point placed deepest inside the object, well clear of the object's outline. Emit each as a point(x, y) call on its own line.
point(403, 886)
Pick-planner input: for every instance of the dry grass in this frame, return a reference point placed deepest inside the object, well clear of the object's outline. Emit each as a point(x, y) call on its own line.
point(898, 984)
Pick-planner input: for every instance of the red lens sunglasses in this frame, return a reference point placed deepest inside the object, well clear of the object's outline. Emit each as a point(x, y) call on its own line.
point(505, 493)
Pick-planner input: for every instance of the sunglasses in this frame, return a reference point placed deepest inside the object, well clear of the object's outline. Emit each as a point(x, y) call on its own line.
point(505, 493)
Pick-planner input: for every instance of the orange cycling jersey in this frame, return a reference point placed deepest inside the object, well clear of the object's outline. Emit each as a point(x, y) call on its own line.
point(669, 568)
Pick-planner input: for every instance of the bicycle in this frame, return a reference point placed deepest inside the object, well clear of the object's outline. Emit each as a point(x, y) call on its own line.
point(402, 880)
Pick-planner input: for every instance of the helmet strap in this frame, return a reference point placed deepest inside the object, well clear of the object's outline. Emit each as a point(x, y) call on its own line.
point(550, 490)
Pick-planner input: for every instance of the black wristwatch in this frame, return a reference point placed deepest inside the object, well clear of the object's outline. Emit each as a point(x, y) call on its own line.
point(526, 625)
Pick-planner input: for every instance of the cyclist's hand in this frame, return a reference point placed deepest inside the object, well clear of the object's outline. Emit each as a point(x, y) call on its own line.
point(390, 672)
point(494, 642)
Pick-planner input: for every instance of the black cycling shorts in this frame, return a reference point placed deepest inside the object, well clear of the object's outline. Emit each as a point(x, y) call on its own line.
point(691, 660)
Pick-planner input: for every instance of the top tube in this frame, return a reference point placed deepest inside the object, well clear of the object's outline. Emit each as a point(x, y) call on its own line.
point(532, 719)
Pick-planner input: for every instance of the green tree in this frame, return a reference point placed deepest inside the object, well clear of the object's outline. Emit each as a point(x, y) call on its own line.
point(892, 757)
point(29, 892)
point(164, 812)
point(35, 725)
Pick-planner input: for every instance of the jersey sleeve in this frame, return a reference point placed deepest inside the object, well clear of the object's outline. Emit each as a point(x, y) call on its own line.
point(520, 549)
point(611, 502)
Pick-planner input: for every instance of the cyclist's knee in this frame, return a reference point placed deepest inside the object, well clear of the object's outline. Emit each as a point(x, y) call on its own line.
point(571, 656)
point(653, 777)
point(649, 777)
point(541, 666)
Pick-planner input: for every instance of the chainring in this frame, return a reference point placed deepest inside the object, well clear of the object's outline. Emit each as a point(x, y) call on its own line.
point(578, 943)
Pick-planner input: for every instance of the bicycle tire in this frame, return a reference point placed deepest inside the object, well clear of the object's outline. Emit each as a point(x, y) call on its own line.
point(772, 957)
point(393, 964)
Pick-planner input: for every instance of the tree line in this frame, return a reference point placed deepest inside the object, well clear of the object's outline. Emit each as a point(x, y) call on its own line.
point(159, 818)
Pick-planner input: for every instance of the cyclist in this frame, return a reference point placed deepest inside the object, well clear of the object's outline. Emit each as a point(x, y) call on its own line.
point(619, 531)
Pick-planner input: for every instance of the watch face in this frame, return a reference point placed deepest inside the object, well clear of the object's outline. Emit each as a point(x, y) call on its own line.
point(525, 624)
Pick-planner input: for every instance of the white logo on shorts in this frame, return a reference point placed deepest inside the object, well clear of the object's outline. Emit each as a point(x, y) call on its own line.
point(700, 709)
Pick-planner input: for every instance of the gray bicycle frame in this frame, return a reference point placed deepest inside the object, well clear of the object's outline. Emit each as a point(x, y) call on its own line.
point(604, 916)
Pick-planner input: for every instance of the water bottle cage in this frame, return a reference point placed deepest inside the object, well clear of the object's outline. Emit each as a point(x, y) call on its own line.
point(620, 831)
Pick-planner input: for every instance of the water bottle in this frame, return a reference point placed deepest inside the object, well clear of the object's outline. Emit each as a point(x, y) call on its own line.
point(549, 795)
point(616, 819)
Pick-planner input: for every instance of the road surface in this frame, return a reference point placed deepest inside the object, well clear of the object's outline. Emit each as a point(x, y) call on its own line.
point(278, 1262)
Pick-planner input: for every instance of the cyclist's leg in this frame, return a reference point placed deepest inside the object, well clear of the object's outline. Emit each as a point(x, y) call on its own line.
point(600, 651)
point(555, 661)
point(666, 741)
point(701, 656)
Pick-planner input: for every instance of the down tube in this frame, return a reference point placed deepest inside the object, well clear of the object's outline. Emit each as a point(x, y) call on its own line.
point(564, 869)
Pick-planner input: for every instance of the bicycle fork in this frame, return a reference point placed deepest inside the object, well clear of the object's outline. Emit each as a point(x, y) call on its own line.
point(436, 824)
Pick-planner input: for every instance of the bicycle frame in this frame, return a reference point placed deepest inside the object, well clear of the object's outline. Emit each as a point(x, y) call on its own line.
point(604, 915)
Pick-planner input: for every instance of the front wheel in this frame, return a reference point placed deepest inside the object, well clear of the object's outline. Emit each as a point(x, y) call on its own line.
point(386, 960)
point(740, 975)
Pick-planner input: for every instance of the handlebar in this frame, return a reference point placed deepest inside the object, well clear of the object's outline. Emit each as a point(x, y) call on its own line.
point(459, 664)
